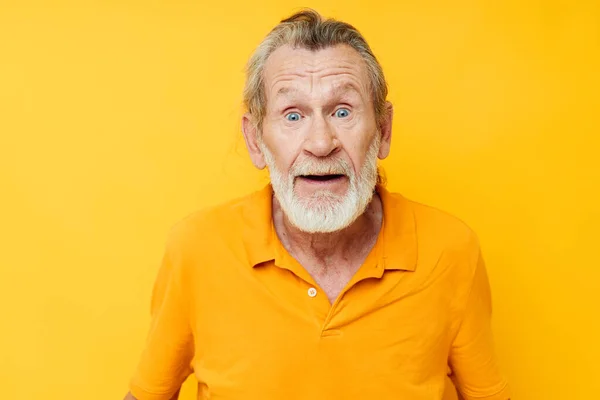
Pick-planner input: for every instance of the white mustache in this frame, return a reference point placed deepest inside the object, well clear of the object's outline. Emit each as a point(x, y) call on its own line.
point(331, 167)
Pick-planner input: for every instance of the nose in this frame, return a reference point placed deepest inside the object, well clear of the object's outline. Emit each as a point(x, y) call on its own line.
point(321, 140)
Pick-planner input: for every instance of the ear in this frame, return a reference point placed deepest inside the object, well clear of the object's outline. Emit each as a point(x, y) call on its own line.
point(250, 132)
point(385, 127)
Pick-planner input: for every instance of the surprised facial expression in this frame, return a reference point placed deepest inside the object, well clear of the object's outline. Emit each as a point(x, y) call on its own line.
point(320, 136)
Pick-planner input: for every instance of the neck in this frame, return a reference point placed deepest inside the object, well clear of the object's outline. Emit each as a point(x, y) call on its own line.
point(328, 247)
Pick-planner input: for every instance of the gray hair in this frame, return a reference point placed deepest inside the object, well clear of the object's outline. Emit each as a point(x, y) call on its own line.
point(307, 29)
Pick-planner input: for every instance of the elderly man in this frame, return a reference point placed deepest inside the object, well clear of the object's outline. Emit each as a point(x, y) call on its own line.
point(322, 285)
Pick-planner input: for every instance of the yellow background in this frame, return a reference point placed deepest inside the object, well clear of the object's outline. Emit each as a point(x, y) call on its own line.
point(118, 118)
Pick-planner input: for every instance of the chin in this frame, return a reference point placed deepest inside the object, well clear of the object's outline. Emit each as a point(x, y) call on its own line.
point(320, 227)
point(324, 214)
point(321, 201)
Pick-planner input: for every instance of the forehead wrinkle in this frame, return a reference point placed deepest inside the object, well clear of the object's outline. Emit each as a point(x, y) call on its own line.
point(302, 77)
point(349, 84)
point(301, 62)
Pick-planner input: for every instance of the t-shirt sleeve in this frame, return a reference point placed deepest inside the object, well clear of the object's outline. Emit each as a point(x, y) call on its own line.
point(472, 357)
point(166, 360)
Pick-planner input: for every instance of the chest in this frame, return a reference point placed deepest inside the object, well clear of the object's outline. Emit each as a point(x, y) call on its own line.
point(268, 333)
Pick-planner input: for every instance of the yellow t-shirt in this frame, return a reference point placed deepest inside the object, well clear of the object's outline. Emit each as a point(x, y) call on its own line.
point(231, 306)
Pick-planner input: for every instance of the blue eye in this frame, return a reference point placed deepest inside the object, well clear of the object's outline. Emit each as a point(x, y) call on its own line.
point(293, 116)
point(342, 113)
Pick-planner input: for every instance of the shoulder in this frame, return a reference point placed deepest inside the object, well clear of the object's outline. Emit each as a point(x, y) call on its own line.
point(447, 246)
point(443, 241)
point(208, 225)
point(442, 229)
point(432, 226)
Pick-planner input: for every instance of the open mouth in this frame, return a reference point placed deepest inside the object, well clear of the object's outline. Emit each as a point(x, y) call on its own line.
point(322, 178)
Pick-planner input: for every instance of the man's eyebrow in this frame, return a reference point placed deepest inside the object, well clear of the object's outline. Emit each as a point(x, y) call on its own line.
point(337, 90)
point(344, 88)
point(285, 90)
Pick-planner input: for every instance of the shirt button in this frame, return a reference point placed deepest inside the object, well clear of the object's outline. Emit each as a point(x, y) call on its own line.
point(312, 292)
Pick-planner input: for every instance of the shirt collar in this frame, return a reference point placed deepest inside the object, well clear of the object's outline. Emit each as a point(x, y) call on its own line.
point(396, 247)
point(259, 233)
point(398, 233)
